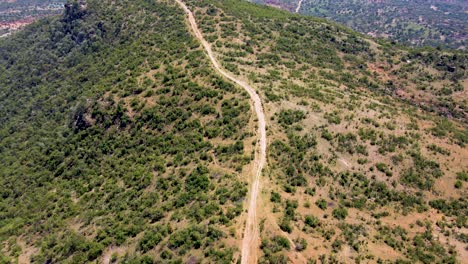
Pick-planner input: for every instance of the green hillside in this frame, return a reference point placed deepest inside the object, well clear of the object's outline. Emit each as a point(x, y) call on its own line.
point(115, 131)
point(120, 143)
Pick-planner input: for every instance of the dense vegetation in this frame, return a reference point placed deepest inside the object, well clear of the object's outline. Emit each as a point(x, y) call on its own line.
point(117, 133)
point(419, 23)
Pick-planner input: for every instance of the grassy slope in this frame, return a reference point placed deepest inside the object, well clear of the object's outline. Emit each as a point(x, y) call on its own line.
point(353, 173)
point(117, 137)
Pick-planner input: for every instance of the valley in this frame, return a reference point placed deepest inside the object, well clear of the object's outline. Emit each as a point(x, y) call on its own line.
point(14, 15)
point(417, 23)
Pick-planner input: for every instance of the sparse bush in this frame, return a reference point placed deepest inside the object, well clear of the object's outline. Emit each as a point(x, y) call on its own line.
point(321, 203)
point(340, 213)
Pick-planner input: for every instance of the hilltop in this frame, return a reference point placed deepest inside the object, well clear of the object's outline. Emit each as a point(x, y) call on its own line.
point(121, 142)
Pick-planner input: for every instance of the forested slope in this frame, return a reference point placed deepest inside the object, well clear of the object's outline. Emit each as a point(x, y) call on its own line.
point(116, 136)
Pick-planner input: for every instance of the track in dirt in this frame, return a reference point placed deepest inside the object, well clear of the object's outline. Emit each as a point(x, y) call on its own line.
point(250, 242)
point(299, 4)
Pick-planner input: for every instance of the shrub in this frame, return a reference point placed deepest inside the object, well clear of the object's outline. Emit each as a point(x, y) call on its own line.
point(288, 117)
point(149, 240)
point(384, 168)
point(275, 197)
point(276, 244)
point(198, 180)
point(422, 174)
point(327, 135)
point(300, 244)
point(311, 221)
point(340, 213)
point(462, 176)
point(285, 225)
point(321, 203)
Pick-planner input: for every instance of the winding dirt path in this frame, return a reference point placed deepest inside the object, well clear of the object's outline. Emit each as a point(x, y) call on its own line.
point(250, 242)
point(299, 6)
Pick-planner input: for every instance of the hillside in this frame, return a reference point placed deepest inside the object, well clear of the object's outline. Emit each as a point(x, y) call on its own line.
point(417, 22)
point(353, 174)
point(431, 78)
point(118, 137)
point(122, 143)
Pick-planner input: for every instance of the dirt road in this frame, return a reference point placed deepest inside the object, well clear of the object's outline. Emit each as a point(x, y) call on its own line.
point(250, 242)
point(299, 6)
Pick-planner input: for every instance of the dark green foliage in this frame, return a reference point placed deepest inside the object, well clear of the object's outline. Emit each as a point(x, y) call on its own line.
point(291, 159)
point(198, 180)
point(321, 203)
point(275, 197)
point(327, 135)
point(422, 174)
point(462, 176)
point(276, 244)
point(69, 245)
point(90, 134)
point(336, 245)
point(152, 238)
point(289, 215)
point(285, 225)
point(132, 259)
point(353, 235)
point(451, 207)
point(445, 127)
point(311, 221)
point(348, 143)
point(310, 191)
point(230, 150)
point(384, 168)
point(333, 117)
point(394, 237)
point(112, 117)
point(359, 192)
point(436, 149)
point(4, 259)
point(193, 237)
point(340, 213)
point(390, 143)
point(427, 249)
point(288, 117)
